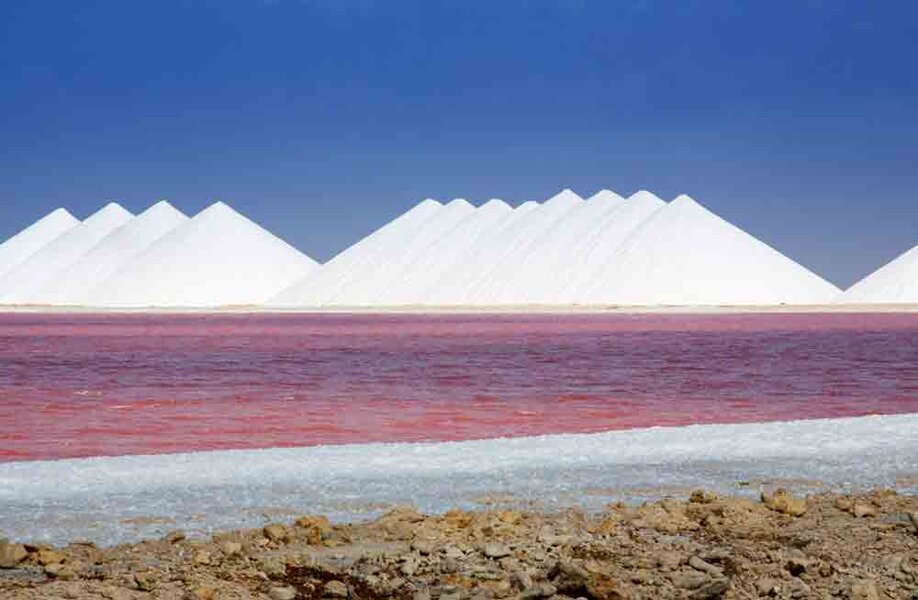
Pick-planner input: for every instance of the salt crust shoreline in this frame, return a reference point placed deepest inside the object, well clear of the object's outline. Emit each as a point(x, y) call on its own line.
point(117, 499)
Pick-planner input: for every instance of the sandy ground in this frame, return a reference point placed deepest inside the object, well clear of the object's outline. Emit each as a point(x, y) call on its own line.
point(862, 547)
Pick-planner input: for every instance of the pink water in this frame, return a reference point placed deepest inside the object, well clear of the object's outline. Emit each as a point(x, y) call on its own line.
point(83, 385)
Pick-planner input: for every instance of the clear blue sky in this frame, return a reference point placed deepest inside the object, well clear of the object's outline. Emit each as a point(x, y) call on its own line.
point(322, 119)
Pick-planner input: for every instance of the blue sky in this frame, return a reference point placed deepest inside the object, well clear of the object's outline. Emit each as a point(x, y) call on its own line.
point(323, 119)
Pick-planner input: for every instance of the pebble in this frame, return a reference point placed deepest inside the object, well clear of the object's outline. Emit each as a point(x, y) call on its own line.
point(495, 550)
point(688, 580)
point(282, 593)
point(11, 554)
point(336, 589)
point(276, 532)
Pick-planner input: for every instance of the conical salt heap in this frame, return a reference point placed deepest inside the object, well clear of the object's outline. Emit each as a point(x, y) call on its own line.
point(218, 258)
point(31, 239)
point(22, 284)
point(896, 282)
point(685, 255)
point(76, 286)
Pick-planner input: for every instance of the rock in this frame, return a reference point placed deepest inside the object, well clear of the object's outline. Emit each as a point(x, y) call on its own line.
point(668, 560)
point(449, 565)
point(282, 593)
point(796, 566)
point(542, 590)
point(315, 528)
point(768, 586)
point(229, 548)
point(202, 592)
point(49, 557)
point(705, 567)
point(273, 566)
point(712, 589)
point(702, 497)
point(145, 582)
point(276, 532)
point(862, 509)
point(688, 580)
point(422, 547)
point(913, 517)
point(495, 550)
point(174, 537)
point(603, 587)
point(864, 590)
point(335, 589)
point(115, 593)
point(201, 557)
point(521, 579)
point(781, 501)
point(422, 594)
point(409, 568)
point(11, 555)
point(798, 589)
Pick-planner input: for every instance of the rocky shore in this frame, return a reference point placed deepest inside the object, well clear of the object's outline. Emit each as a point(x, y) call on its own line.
point(862, 547)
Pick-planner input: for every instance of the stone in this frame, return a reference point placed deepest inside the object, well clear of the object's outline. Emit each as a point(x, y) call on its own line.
point(276, 532)
point(201, 557)
point(495, 550)
point(862, 509)
point(796, 566)
point(49, 557)
point(335, 589)
point(282, 593)
point(688, 580)
point(798, 589)
point(542, 590)
point(768, 586)
point(702, 497)
point(521, 579)
point(913, 517)
point(714, 588)
point(781, 501)
point(705, 567)
point(174, 537)
point(422, 547)
point(864, 590)
point(201, 592)
point(603, 587)
point(229, 548)
point(668, 560)
point(422, 594)
point(11, 555)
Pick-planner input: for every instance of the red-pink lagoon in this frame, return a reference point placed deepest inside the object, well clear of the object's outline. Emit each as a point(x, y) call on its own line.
point(90, 384)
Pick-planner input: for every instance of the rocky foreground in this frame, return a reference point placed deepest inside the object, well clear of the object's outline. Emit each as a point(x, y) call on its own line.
point(825, 546)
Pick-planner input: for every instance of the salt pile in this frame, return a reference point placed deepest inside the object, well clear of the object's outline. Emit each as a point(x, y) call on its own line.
point(440, 259)
point(894, 283)
point(97, 498)
point(28, 241)
point(23, 283)
point(687, 256)
point(218, 258)
point(369, 253)
point(75, 287)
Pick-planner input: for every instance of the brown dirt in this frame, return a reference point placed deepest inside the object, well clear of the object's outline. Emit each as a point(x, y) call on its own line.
point(862, 547)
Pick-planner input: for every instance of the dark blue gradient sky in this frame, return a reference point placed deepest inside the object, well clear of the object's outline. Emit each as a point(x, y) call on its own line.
point(322, 119)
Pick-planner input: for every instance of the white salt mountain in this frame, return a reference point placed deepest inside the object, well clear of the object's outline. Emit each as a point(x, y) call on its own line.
point(515, 244)
point(441, 258)
point(75, 287)
point(453, 286)
point(367, 289)
point(218, 258)
point(894, 283)
point(687, 256)
point(534, 275)
point(595, 250)
point(368, 254)
point(31, 239)
point(22, 283)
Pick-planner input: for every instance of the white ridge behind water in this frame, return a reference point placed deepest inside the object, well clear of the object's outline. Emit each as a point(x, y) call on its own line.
point(896, 282)
point(218, 258)
point(22, 285)
point(442, 257)
point(75, 286)
point(110, 500)
point(596, 249)
point(324, 283)
point(367, 289)
point(31, 239)
point(554, 255)
point(687, 256)
point(517, 242)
